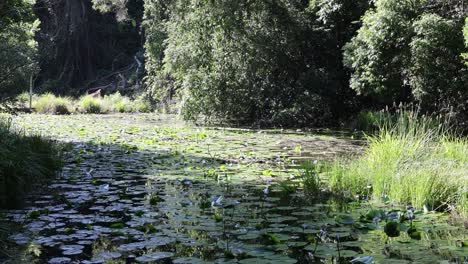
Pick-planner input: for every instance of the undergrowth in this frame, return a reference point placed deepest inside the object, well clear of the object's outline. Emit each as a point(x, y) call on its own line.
point(92, 105)
point(115, 103)
point(51, 104)
point(25, 161)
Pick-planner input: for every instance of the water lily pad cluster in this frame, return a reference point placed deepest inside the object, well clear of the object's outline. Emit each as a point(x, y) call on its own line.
point(136, 189)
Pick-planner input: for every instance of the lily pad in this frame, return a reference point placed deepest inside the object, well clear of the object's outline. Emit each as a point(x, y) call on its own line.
point(154, 257)
point(61, 260)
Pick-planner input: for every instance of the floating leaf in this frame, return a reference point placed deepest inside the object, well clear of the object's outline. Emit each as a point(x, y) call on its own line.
point(363, 260)
point(154, 257)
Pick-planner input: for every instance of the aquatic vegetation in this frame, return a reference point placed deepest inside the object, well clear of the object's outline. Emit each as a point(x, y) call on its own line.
point(242, 216)
point(410, 161)
point(33, 215)
point(310, 178)
point(271, 239)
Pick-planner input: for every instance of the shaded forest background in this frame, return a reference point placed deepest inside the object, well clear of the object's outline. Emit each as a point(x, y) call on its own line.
point(269, 62)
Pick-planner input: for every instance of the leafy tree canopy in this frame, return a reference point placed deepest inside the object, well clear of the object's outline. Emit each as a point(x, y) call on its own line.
point(18, 49)
point(408, 49)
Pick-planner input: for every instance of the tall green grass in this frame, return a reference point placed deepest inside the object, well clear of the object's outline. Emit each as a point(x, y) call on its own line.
point(309, 178)
point(122, 104)
point(93, 105)
point(113, 103)
point(22, 100)
point(411, 159)
point(370, 120)
point(51, 104)
point(118, 103)
point(25, 161)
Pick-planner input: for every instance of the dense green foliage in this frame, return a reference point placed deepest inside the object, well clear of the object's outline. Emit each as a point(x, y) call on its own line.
point(281, 61)
point(244, 60)
point(25, 161)
point(275, 62)
point(377, 54)
point(409, 50)
point(465, 34)
point(436, 72)
point(18, 50)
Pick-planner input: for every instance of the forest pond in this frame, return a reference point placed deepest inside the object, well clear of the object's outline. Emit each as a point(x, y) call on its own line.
point(150, 189)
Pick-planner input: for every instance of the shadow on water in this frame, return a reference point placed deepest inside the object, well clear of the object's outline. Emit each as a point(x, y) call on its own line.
point(118, 203)
point(140, 201)
point(335, 133)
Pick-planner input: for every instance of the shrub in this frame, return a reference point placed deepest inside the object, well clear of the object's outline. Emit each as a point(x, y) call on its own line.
point(141, 105)
point(25, 161)
point(123, 104)
point(117, 103)
point(50, 104)
point(122, 107)
point(411, 160)
point(22, 100)
point(92, 105)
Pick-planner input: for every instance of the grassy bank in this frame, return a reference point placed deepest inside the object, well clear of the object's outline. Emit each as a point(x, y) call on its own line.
point(114, 103)
point(410, 160)
point(25, 161)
